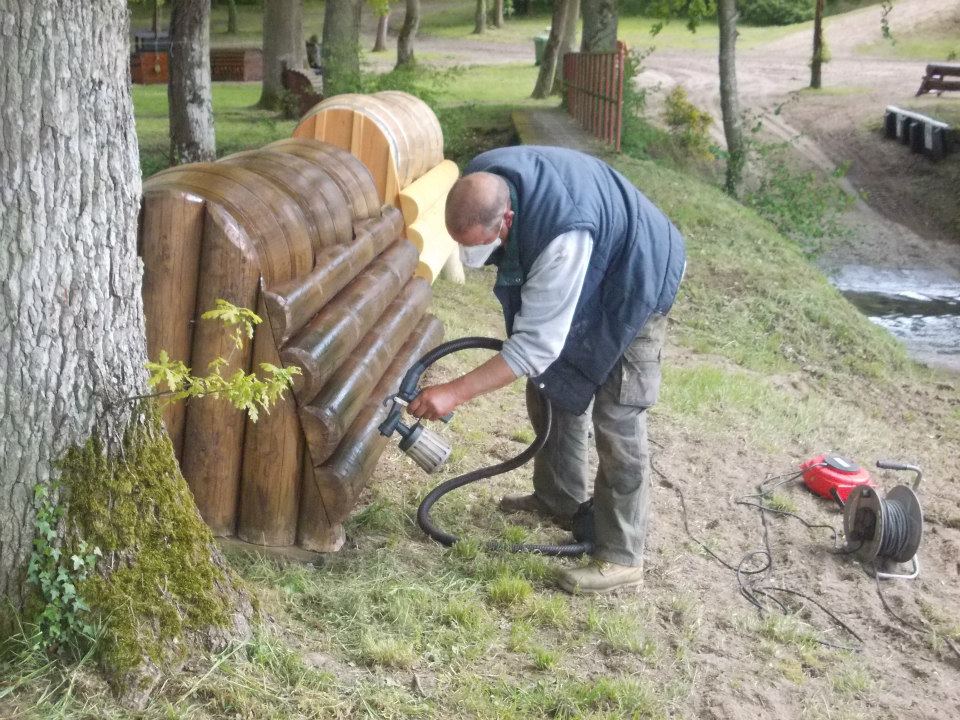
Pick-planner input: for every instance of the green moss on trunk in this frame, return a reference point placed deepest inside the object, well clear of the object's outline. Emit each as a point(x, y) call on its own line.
point(157, 583)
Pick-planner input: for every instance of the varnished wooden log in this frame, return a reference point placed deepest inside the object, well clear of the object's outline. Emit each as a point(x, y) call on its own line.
point(426, 123)
point(429, 235)
point(348, 172)
point(272, 452)
point(171, 227)
point(271, 218)
point(324, 205)
point(290, 305)
point(323, 343)
point(314, 533)
point(327, 418)
point(329, 498)
point(213, 445)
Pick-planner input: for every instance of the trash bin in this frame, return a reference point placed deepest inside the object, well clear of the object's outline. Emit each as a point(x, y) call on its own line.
point(539, 45)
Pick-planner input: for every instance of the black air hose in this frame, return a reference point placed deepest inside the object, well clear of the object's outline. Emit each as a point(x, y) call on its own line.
point(408, 390)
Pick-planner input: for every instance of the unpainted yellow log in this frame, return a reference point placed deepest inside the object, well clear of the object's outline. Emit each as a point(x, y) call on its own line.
point(171, 228)
point(430, 236)
point(431, 189)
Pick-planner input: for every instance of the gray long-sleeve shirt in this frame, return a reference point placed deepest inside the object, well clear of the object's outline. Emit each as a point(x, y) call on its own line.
point(548, 299)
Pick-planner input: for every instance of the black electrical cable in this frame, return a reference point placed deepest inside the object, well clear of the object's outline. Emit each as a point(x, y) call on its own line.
point(895, 537)
point(751, 581)
point(408, 389)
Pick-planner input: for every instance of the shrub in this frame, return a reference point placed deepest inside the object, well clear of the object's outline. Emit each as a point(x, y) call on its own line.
point(775, 12)
point(689, 125)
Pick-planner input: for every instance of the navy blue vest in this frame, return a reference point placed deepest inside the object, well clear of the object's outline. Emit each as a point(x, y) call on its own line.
point(634, 271)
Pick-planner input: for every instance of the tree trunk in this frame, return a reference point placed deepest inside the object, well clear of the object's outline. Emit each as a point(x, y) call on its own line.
point(816, 61)
point(189, 93)
point(480, 18)
point(341, 46)
point(599, 26)
point(548, 66)
point(568, 41)
point(380, 44)
point(156, 17)
point(232, 17)
point(729, 100)
point(282, 43)
point(71, 326)
point(498, 13)
point(411, 22)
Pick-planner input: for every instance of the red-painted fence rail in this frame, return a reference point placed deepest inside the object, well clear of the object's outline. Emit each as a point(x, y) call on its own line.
point(593, 83)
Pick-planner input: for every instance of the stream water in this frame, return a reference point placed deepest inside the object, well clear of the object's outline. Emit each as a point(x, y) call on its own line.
point(919, 306)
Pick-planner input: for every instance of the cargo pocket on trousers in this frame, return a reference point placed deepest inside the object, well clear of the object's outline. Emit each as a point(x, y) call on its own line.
point(640, 372)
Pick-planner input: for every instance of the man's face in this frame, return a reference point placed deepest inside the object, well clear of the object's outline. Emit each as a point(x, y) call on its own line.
point(479, 235)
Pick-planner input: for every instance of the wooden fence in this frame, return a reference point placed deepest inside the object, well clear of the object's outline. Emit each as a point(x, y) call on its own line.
point(593, 87)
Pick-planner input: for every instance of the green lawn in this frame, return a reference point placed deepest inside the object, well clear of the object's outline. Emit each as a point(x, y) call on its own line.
point(936, 41)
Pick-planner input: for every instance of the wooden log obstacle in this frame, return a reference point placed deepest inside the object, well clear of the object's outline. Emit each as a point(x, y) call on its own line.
point(923, 134)
point(938, 80)
point(295, 230)
point(300, 231)
point(399, 139)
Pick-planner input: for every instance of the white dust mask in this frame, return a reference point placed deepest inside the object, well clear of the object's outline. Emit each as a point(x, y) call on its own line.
point(475, 256)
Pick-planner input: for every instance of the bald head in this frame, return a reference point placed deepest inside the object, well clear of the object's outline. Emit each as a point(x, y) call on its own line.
point(476, 199)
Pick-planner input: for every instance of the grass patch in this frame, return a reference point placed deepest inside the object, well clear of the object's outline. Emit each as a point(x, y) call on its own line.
point(506, 591)
point(619, 632)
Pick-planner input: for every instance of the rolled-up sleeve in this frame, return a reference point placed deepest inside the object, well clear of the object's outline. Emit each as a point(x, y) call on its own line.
point(548, 300)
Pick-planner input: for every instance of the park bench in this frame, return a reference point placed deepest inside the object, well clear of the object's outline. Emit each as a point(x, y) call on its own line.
point(936, 80)
point(921, 133)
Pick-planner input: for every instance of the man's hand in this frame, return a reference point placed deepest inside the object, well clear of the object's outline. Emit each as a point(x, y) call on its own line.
point(438, 400)
point(434, 402)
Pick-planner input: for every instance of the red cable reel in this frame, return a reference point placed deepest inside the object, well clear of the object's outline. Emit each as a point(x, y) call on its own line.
point(832, 476)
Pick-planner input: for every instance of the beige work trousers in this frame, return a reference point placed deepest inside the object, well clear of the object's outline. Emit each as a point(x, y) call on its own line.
point(622, 485)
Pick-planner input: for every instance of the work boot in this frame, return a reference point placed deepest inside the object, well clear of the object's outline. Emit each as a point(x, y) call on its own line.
point(532, 504)
point(600, 577)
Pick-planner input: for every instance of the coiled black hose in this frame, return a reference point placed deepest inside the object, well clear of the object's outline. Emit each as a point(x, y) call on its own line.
point(408, 388)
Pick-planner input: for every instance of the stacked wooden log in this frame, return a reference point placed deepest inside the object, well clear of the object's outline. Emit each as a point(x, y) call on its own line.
point(296, 230)
point(398, 138)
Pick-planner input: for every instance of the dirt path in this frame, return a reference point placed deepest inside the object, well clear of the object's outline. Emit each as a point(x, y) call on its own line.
point(829, 129)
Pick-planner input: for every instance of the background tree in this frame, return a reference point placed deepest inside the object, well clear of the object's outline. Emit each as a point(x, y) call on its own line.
point(498, 13)
point(568, 41)
point(192, 137)
point(71, 325)
point(382, 10)
point(816, 62)
point(480, 18)
point(548, 65)
point(599, 26)
point(729, 98)
point(282, 44)
point(232, 28)
point(408, 33)
point(341, 46)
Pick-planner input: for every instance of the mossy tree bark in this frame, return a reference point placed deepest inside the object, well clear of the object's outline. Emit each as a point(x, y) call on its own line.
point(408, 33)
point(71, 325)
point(599, 26)
point(729, 98)
point(341, 46)
point(548, 66)
point(282, 44)
point(498, 13)
point(190, 96)
point(232, 25)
